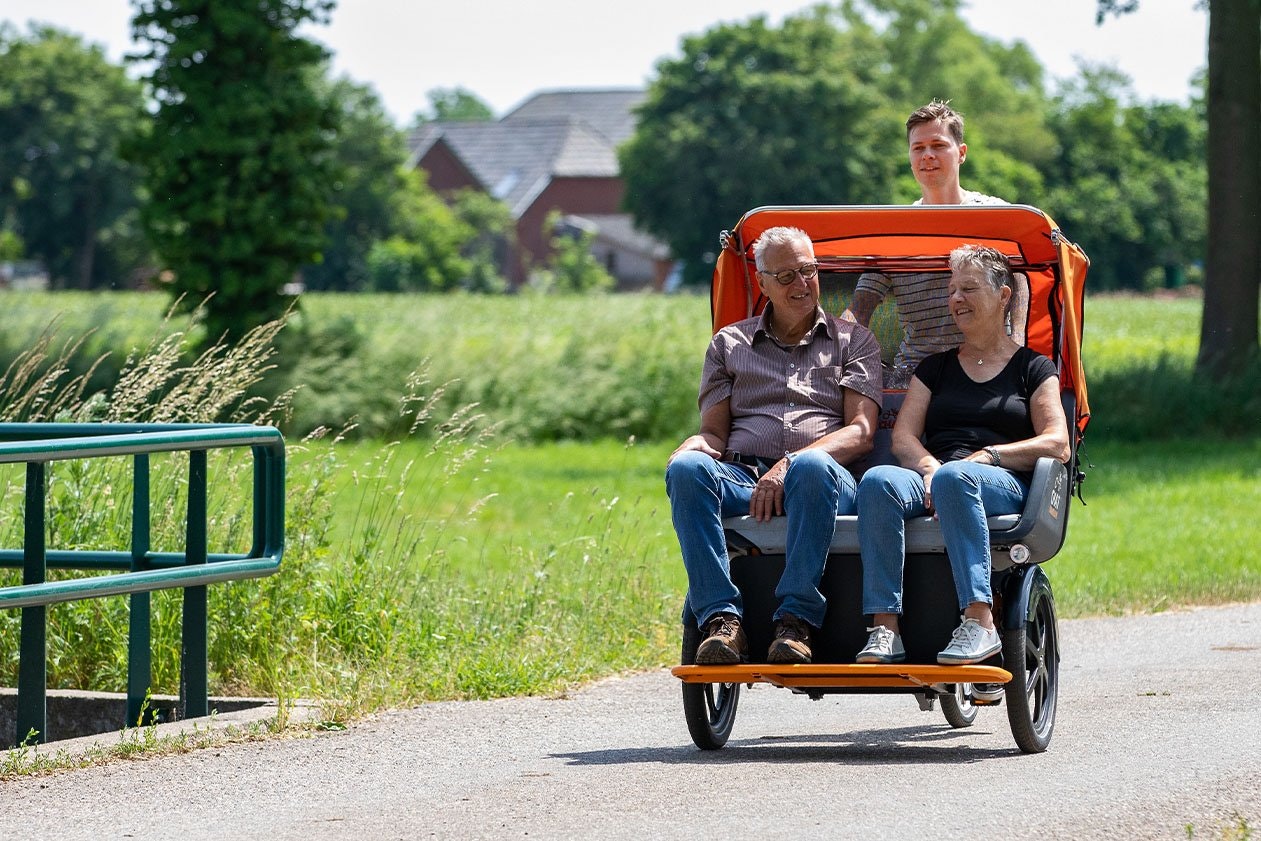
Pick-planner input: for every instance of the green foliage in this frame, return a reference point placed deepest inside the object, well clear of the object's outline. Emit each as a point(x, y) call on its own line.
point(66, 195)
point(366, 194)
point(238, 159)
point(425, 254)
point(494, 233)
point(1128, 182)
point(752, 114)
point(571, 267)
point(452, 105)
point(560, 367)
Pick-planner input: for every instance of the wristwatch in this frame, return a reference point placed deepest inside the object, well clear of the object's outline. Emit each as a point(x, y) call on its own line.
point(995, 458)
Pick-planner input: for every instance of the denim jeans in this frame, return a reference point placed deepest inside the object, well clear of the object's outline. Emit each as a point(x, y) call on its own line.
point(703, 491)
point(964, 494)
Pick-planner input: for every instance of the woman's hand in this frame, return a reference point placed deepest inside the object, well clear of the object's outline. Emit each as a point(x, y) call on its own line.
point(928, 489)
point(768, 494)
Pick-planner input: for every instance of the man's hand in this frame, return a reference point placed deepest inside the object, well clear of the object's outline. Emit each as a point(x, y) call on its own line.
point(768, 495)
point(696, 442)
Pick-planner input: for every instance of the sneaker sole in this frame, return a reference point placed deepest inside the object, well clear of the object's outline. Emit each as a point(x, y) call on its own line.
point(945, 659)
point(881, 659)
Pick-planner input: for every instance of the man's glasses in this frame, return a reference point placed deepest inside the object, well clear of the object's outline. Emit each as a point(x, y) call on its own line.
point(807, 272)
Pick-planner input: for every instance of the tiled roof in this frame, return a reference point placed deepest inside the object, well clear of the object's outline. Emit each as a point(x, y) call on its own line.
point(566, 134)
point(609, 111)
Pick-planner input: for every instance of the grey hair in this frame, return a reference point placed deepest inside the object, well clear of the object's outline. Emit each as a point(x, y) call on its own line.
point(991, 262)
point(781, 235)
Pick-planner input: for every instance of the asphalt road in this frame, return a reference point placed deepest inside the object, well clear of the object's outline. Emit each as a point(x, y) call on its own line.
point(1158, 736)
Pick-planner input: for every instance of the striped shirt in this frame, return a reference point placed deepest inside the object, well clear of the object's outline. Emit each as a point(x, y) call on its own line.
point(786, 398)
point(923, 306)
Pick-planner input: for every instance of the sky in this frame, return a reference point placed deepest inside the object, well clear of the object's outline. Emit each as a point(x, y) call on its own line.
point(505, 50)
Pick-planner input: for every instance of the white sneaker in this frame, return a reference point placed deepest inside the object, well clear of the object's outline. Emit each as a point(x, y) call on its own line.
point(883, 646)
point(970, 643)
point(988, 694)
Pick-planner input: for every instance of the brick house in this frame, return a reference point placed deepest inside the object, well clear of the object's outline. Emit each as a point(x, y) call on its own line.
point(555, 151)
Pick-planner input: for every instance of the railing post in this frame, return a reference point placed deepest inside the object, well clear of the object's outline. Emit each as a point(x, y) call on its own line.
point(194, 683)
point(139, 617)
point(32, 706)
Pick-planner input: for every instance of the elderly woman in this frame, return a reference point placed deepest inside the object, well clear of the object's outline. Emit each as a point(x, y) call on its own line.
point(974, 422)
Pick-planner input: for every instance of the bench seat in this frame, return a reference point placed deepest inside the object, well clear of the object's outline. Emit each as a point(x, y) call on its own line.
point(1038, 531)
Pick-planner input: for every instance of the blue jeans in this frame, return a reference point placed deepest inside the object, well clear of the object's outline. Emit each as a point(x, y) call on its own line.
point(964, 494)
point(703, 491)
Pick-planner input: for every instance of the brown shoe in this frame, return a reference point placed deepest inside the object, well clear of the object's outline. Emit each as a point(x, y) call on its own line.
point(723, 642)
point(792, 641)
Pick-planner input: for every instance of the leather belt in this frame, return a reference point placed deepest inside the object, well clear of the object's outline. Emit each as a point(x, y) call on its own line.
point(760, 465)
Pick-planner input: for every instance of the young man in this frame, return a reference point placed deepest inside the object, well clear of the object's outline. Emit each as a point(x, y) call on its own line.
point(779, 419)
point(934, 135)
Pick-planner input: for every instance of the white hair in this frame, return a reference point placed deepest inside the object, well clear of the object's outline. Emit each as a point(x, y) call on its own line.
point(782, 235)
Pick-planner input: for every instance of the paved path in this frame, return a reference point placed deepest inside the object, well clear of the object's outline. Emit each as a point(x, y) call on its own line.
point(1158, 731)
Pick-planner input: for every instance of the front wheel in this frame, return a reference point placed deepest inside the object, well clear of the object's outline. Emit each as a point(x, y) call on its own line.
point(710, 708)
point(1031, 654)
point(958, 707)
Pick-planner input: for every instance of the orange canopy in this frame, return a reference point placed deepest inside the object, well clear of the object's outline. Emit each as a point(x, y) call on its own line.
point(854, 238)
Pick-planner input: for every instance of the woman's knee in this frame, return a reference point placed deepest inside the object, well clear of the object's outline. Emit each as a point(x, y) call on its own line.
point(956, 477)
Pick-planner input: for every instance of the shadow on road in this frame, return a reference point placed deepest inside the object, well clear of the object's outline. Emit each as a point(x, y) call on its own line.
point(895, 746)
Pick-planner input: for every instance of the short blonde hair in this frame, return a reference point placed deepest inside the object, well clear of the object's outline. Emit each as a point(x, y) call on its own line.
point(989, 261)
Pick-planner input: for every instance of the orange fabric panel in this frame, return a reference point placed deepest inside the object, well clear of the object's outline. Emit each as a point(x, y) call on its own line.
point(921, 239)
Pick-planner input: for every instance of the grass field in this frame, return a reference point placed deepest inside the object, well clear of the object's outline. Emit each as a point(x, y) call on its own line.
point(1160, 527)
point(490, 562)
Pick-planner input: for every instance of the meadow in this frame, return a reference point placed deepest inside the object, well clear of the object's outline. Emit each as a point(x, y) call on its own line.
point(476, 506)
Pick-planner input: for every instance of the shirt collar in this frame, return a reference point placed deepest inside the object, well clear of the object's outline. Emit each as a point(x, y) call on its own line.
point(820, 318)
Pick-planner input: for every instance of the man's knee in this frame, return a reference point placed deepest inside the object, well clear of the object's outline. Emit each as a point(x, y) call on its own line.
point(814, 465)
point(690, 467)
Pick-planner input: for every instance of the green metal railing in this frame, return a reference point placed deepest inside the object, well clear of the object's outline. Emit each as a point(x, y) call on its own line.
point(138, 571)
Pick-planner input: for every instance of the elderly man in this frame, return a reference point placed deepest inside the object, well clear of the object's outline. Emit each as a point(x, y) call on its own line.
point(934, 135)
point(786, 400)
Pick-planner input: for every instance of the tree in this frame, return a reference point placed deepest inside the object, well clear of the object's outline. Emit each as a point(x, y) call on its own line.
point(493, 235)
point(424, 254)
point(238, 159)
point(454, 105)
point(1232, 288)
point(814, 111)
point(570, 267)
point(369, 153)
point(752, 114)
point(65, 191)
point(1127, 181)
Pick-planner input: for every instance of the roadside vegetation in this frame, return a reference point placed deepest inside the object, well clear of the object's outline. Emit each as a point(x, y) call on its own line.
point(442, 544)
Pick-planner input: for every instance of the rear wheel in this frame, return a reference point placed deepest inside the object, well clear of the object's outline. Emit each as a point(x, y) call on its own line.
point(1031, 654)
point(958, 708)
point(710, 708)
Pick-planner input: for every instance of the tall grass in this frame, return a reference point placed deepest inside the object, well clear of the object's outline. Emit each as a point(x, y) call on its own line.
point(386, 596)
point(592, 367)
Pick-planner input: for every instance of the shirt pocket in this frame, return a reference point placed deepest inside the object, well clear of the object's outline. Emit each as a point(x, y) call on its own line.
point(823, 385)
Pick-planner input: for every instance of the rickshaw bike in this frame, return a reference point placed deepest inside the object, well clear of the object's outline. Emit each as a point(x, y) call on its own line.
point(848, 241)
